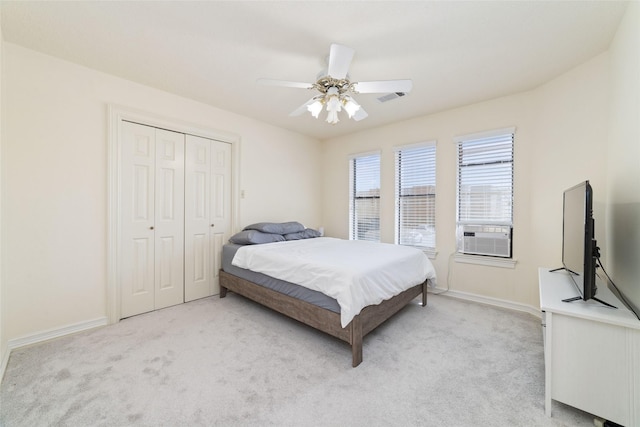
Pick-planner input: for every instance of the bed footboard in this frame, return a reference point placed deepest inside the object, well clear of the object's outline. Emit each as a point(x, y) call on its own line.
point(320, 318)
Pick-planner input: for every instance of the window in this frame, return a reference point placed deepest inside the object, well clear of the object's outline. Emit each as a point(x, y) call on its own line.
point(485, 193)
point(416, 195)
point(364, 200)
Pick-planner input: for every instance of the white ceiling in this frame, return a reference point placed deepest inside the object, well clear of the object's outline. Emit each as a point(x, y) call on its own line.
point(456, 52)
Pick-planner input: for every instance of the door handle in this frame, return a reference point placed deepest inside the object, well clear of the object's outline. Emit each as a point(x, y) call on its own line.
point(151, 228)
point(213, 225)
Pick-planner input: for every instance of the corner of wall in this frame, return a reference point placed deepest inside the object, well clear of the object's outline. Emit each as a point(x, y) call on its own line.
point(623, 168)
point(4, 350)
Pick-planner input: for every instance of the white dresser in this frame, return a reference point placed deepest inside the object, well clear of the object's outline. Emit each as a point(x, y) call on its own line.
point(591, 352)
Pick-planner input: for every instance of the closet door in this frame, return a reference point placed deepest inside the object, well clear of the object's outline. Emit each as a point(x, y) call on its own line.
point(207, 213)
point(169, 223)
point(152, 205)
point(220, 205)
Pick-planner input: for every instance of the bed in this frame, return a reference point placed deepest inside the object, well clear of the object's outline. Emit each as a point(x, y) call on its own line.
point(341, 287)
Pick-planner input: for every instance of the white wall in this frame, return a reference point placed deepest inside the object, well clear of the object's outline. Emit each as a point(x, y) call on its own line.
point(623, 204)
point(4, 353)
point(571, 120)
point(54, 203)
point(568, 115)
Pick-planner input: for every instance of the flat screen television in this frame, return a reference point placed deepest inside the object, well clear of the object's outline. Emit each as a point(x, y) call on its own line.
point(580, 252)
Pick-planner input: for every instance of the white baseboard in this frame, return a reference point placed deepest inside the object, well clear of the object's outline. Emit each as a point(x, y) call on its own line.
point(5, 361)
point(496, 302)
point(48, 335)
point(56, 333)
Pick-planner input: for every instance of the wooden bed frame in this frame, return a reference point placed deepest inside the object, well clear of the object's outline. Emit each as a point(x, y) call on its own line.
point(320, 318)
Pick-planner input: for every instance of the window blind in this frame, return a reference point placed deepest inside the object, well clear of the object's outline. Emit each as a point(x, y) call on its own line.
point(364, 212)
point(485, 180)
point(416, 196)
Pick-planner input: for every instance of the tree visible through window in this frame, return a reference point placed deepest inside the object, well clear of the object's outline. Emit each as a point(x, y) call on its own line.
point(364, 206)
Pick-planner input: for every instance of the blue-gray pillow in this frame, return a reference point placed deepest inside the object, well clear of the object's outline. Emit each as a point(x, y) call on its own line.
point(276, 227)
point(304, 234)
point(255, 237)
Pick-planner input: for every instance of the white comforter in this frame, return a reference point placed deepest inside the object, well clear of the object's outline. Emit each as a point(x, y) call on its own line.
point(354, 272)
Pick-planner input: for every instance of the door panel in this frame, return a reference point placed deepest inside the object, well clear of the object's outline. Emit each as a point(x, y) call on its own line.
point(169, 218)
point(142, 193)
point(137, 210)
point(167, 184)
point(164, 256)
point(141, 267)
point(207, 213)
point(200, 254)
point(220, 205)
point(200, 190)
point(152, 200)
point(198, 265)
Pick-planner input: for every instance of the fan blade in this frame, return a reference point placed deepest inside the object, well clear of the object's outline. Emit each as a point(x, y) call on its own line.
point(360, 114)
point(285, 83)
point(339, 61)
point(383, 86)
point(302, 109)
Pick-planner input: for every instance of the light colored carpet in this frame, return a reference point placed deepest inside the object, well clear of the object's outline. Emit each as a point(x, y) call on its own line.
point(232, 362)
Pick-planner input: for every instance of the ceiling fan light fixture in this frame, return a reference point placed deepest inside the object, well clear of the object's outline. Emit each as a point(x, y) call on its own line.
point(334, 101)
point(334, 105)
point(332, 117)
point(315, 108)
point(350, 106)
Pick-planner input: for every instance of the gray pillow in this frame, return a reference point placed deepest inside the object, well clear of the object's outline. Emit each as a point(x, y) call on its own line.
point(304, 234)
point(255, 237)
point(276, 227)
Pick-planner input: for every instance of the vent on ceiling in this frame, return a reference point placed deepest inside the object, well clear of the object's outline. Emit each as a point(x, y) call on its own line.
point(390, 96)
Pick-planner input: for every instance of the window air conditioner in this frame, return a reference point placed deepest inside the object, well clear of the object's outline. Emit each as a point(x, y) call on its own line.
point(492, 240)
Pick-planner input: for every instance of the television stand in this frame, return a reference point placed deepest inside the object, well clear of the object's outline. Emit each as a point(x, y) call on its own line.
point(578, 297)
point(594, 298)
point(590, 352)
point(565, 269)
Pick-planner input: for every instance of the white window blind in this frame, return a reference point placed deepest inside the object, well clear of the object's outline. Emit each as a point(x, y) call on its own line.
point(485, 194)
point(416, 195)
point(364, 210)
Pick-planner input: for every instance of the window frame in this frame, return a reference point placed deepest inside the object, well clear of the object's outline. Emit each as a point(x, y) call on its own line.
point(354, 229)
point(486, 259)
point(429, 220)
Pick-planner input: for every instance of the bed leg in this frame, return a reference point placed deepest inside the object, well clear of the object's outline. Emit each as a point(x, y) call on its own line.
point(424, 294)
point(356, 341)
point(221, 279)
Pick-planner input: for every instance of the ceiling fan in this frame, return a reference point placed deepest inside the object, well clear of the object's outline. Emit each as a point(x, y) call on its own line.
point(336, 89)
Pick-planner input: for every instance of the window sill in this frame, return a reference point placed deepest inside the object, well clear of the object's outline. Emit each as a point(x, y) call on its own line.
point(486, 260)
point(430, 253)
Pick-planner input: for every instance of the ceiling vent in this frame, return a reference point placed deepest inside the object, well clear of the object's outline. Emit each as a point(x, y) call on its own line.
point(390, 96)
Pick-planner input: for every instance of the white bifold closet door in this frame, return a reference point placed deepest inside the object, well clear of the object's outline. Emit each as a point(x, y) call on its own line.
point(152, 209)
point(207, 214)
